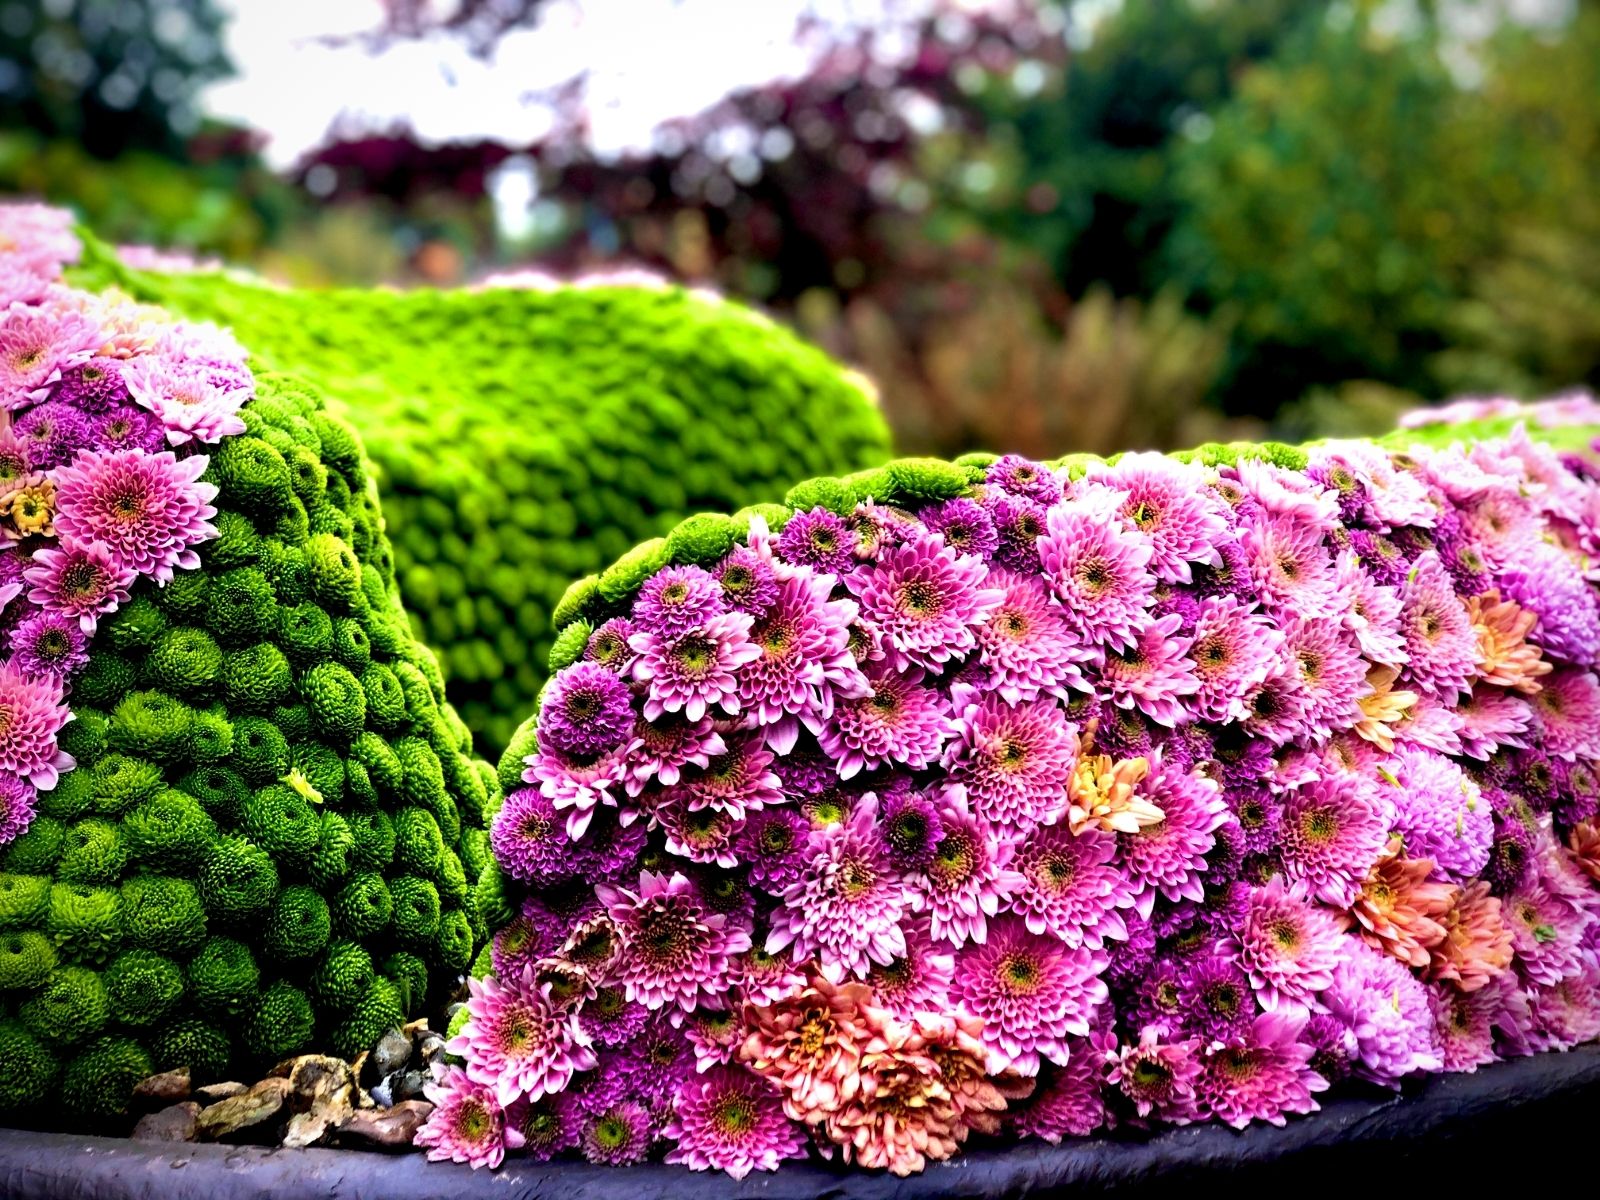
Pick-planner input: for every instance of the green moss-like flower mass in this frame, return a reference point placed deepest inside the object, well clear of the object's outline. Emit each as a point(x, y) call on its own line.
point(210, 886)
point(525, 438)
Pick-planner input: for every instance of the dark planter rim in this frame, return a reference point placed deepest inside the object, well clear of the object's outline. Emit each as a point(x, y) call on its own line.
point(1401, 1131)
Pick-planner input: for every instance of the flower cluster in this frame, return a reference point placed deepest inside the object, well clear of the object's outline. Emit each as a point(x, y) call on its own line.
point(102, 411)
point(1002, 798)
point(252, 833)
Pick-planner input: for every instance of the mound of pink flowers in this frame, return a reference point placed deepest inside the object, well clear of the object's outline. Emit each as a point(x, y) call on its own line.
point(102, 409)
point(1136, 794)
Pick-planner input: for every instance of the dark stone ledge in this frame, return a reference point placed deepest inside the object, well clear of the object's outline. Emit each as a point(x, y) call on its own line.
point(1532, 1121)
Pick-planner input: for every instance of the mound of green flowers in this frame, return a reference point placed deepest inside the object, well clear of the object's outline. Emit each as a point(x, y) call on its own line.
point(526, 438)
point(238, 818)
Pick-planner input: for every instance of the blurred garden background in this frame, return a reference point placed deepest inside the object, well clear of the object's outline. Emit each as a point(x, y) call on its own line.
point(1038, 226)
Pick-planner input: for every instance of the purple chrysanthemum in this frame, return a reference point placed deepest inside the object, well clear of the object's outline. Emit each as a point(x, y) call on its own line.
point(674, 950)
point(969, 876)
point(1215, 998)
point(749, 583)
point(1568, 712)
point(529, 838)
point(1100, 572)
point(819, 539)
point(1387, 1011)
point(1153, 674)
point(1169, 857)
point(1021, 476)
point(1440, 813)
point(608, 646)
point(919, 980)
point(1546, 580)
point(128, 427)
point(18, 799)
point(732, 1120)
point(1015, 761)
point(52, 433)
point(925, 599)
point(1441, 648)
point(772, 844)
point(676, 600)
point(93, 386)
point(1072, 887)
point(619, 1135)
point(1463, 1022)
point(49, 643)
point(1262, 1075)
point(1018, 525)
point(1031, 993)
point(1287, 946)
point(1158, 1077)
point(549, 1127)
point(1334, 830)
point(696, 671)
point(1068, 1102)
point(80, 581)
point(586, 710)
point(846, 909)
point(1167, 501)
point(965, 526)
point(702, 835)
point(467, 1124)
point(1025, 644)
point(899, 722)
point(518, 1041)
point(911, 830)
point(1233, 651)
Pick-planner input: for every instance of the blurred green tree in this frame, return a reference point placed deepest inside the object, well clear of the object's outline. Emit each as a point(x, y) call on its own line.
point(110, 75)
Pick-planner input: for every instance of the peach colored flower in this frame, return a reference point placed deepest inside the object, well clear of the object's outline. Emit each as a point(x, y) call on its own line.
point(1584, 842)
point(1100, 794)
point(1383, 707)
point(811, 1044)
point(28, 508)
point(1505, 658)
point(1477, 943)
point(1398, 910)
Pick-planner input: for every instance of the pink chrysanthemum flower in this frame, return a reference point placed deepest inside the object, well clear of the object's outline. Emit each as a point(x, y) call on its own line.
point(675, 951)
point(1463, 1023)
point(738, 781)
point(1232, 652)
point(1153, 674)
point(1568, 713)
point(192, 400)
point(1025, 643)
point(662, 748)
point(924, 599)
point(899, 722)
point(48, 643)
point(968, 878)
point(731, 1120)
point(149, 510)
point(1031, 993)
point(1069, 1101)
point(467, 1124)
point(32, 712)
point(1546, 932)
point(1015, 761)
point(845, 911)
point(1168, 502)
point(1491, 719)
point(1099, 570)
point(702, 835)
point(36, 345)
point(1387, 1011)
point(1332, 673)
point(1168, 858)
point(1265, 1075)
point(917, 982)
point(1441, 647)
point(1288, 494)
point(803, 662)
point(695, 671)
point(1276, 709)
point(81, 581)
point(578, 784)
point(1288, 946)
point(517, 1041)
point(608, 646)
point(1291, 567)
point(1159, 1078)
point(1073, 889)
point(1334, 829)
point(1441, 814)
point(676, 600)
point(1566, 1014)
point(819, 539)
point(1371, 611)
